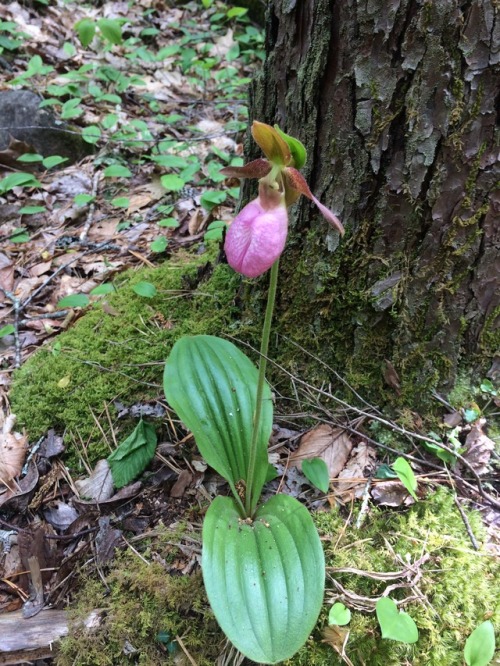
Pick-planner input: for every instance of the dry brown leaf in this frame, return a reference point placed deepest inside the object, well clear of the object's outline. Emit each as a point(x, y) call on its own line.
point(478, 448)
point(40, 269)
point(358, 468)
point(12, 451)
point(99, 485)
point(196, 222)
point(14, 150)
point(333, 445)
point(183, 482)
point(6, 272)
point(391, 493)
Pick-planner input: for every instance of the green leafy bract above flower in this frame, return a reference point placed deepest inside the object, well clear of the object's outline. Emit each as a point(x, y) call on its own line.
point(297, 149)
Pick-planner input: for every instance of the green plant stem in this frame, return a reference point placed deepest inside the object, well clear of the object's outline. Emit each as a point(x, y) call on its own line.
point(250, 500)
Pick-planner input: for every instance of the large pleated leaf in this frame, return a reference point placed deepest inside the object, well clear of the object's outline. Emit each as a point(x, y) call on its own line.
point(212, 386)
point(264, 579)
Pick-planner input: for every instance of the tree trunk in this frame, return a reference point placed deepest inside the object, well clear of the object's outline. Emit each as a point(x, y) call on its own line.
point(395, 102)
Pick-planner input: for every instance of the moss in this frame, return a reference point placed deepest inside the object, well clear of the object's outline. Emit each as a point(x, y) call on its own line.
point(457, 587)
point(137, 603)
point(458, 584)
point(116, 351)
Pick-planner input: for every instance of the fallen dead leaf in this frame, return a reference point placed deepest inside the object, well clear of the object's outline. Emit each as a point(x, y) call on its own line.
point(391, 493)
point(333, 445)
point(183, 481)
point(99, 485)
point(196, 222)
point(6, 272)
point(478, 448)
point(354, 474)
point(12, 451)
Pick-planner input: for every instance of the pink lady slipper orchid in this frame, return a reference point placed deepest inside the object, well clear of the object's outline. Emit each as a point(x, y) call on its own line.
point(257, 235)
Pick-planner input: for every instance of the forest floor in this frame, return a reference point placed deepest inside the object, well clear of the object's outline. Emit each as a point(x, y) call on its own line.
point(158, 92)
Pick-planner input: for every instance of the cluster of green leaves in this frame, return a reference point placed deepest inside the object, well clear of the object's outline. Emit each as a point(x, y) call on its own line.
point(399, 626)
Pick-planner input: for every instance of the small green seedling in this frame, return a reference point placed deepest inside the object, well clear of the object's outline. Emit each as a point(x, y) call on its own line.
point(74, 301)
point(145, 289)
point(480, 646)
point(339, 615)
point(395, 625)
point(316, 471)
point(406, 476)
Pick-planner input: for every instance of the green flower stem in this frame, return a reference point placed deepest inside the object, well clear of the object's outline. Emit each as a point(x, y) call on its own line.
point(250, 501)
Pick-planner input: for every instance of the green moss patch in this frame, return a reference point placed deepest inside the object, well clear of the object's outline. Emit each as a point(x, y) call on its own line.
point(117, 350)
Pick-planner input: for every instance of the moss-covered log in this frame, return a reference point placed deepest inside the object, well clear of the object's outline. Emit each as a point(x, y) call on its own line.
point(395, 102)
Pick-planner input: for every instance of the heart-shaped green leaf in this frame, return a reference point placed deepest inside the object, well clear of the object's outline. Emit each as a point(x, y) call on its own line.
point(339, 615)
point(394, 624)
point(212, 386)
point(316, 471)
point(480, 646)
point(264, 578)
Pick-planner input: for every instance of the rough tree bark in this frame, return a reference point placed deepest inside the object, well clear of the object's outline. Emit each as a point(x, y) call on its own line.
point(395, 102)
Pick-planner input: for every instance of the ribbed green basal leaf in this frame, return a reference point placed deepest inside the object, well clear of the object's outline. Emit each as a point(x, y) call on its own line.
point(212, 386)
point(264, 580)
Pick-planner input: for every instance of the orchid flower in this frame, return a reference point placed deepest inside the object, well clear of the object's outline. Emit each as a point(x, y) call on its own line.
point(257, 235)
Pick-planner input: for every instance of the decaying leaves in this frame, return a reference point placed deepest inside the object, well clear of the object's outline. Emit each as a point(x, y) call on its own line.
point(99, 485)
point(12, 451)
point(352, 479)
point(333, 445)
point(478, 448)
point(391, 493)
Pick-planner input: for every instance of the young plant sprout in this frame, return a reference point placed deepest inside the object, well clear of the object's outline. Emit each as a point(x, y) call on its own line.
point(263, 564)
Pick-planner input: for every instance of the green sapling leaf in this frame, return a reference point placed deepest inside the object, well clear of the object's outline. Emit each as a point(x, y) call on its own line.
point(316, 471)
point(159, 244)
point(74, 301)
point(145, 289)
point(480, 646)
point(117, 171)
point(406, 476)
point(133, 455)
point(85, 29)
point(18, 179)
point(8, 330)
point(394, 624)
point(172, 183)
point(110, 30)
point(339, 615)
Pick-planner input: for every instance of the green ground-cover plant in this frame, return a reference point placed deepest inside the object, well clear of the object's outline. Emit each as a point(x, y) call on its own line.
point(263, 564)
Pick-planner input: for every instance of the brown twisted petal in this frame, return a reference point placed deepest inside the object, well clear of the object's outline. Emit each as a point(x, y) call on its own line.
point(296, 181)
point(256, 169)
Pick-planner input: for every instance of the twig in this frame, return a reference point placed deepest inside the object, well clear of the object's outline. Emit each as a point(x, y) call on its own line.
point(474, 542)
point(90, 214)
point(364, 504)
point(184, 649)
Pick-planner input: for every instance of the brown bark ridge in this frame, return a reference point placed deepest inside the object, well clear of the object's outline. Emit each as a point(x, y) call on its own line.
point(397, 103)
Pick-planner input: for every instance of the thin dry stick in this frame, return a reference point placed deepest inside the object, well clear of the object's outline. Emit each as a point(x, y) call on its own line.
point(90, 214)
point(474, 542)
point(184, 649)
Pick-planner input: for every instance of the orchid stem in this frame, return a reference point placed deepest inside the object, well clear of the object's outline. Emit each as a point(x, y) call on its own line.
point(251, 501)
